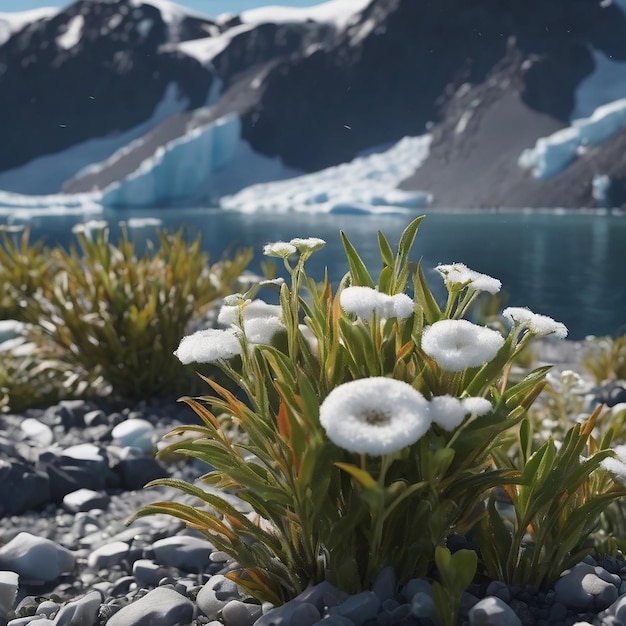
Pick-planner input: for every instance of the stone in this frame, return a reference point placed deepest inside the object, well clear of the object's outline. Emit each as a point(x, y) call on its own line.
point(108, 555)
point(37, 432)
point(216, 594)
point(187, 553)
point(160, 607)
point(293, 613)
point(83, 611)
point(385, 584)
point(35, 558)
point(360, 607)
point(83, 500)
point(492, 611)
point(136, 433)
point(21, 488)
point(147, 573)
point(422, 605)
point(237, 613)
point(135, 471)
point(581, 588)
point(8, 592)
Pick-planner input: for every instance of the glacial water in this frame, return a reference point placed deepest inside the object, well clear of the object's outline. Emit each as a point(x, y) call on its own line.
point(570, 266)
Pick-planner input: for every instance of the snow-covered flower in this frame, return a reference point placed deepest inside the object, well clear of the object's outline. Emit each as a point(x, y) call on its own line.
point(361, 301)
point(459, 344)
point(537, 324)
point(310, 244)
point(261, 330)
point(460, 274)
point(477, 406)
point(400, 306)
point(252, 309)
point(281, 249)
point(617, 465)
point(447, 411)
point(208, 346)
point(374, 416)
point(364, 301)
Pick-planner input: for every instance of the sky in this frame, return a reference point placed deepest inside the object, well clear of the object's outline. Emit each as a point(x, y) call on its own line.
point(208, 7)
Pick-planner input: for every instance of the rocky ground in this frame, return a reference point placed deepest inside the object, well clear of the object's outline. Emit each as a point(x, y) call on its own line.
point(71, 475)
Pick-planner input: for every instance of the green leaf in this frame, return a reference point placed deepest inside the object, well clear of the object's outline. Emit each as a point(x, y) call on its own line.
point(386, 253)
point(361, 476)
point(358, 270)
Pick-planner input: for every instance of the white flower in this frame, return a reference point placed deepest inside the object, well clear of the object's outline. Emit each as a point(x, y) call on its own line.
point(252, 309)
point(310, 244)
point(261, 330)
point(447, 411)
point(477, 406)
point(280, 249)
point(400, 306)
point(537, 324)
point(374, 415)
point(617, 466)
point(460, 274)
point(364, 301)
point(459, 344)
point(208, 346)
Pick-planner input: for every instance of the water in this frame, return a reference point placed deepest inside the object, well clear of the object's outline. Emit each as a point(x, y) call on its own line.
point(570, 266)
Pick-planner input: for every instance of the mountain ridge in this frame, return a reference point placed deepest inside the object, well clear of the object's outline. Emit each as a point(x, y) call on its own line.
point(487, 78)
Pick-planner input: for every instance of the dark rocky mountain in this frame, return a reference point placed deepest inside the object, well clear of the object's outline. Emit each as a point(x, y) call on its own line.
point(488, 77)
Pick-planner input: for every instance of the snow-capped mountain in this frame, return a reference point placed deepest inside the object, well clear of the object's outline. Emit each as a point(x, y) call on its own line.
point(152, 103)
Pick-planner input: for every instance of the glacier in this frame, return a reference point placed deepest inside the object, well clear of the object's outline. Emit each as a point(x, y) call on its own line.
point(552, 154)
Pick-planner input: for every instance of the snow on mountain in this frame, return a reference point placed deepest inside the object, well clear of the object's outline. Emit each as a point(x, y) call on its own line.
point(12, 22)
point(47, 173)
point(277, 92)
point(366, 185)
point(552, 154)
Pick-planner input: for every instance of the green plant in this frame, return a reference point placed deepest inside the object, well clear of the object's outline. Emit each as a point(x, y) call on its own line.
point(373, 425)
point(25, 269)
point(456, 571)
point(110, 314)
point(555, 507)
point(605, 358)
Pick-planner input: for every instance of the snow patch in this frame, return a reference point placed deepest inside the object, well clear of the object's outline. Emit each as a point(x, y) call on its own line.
point(365, 185)
point(553, 153)
point(47, 174)
point(72, 34)
point(337, 12)
point(178, 168)
point(13, 22)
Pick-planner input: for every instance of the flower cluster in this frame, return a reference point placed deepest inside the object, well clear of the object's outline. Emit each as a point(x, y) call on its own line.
point(379, 424)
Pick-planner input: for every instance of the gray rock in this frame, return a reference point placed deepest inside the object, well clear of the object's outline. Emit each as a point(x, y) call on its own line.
point(422, 605)
point(385, 584)
point(293, 613)
point(581, 589)
point(37, 432)
point(108, 555)
point(492, 611)
point(47, 609)
point(187, 553)
point(322, 595)
point(335, 620)
point(360, 607)
point(216, 594)
point(237, 613)
point(417, 585)
point(160, 607)
point(83, 500)
point(8, 592)
point(35, 558)
point(21, 487)
point(83, 611)
point(147, 573)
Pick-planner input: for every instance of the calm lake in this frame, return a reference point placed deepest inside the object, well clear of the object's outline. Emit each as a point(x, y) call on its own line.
point(569, 266)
